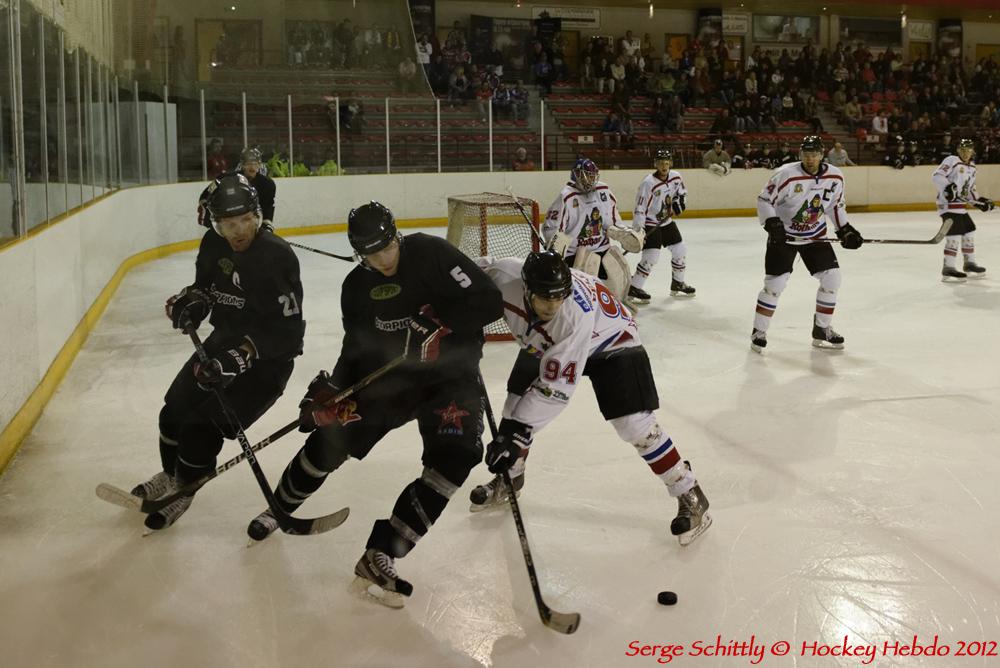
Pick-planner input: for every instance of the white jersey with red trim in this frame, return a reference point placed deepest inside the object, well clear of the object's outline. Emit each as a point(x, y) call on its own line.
point(654, 201)
point(804, 202)
point(584, 216)
point(963, 175)
point(591, 321)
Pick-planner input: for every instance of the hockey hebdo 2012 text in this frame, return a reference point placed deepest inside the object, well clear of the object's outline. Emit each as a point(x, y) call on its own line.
point(755, 650)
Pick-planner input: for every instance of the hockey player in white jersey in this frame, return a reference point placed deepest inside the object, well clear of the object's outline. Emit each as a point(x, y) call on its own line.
point(955, 179)
point(569, 325)
point(582, 222)
point(794, 208)
point(661, 196)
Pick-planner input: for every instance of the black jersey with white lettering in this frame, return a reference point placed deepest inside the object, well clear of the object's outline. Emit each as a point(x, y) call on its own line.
point(377, 310)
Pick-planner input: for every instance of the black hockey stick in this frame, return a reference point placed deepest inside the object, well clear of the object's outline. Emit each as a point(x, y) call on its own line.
point(346, 258)
point(120, 497)
point(563, 622)
point(527, 219)
point(936, 239)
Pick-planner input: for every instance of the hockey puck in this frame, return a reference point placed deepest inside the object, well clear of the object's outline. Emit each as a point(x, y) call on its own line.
point(666, 598)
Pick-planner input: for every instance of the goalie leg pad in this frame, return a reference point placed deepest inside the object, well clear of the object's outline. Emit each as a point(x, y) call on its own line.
point(587, 261)
point(616, 267)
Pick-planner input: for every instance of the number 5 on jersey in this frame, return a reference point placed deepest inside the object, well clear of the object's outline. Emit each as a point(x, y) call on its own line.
point(460, 277)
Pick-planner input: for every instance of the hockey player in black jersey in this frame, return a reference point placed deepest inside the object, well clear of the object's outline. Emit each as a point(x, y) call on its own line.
point(250, 168)
point(247, 283)
point(421, 295)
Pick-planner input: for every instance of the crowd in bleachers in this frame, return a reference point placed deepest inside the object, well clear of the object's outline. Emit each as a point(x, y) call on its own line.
point(343, 45)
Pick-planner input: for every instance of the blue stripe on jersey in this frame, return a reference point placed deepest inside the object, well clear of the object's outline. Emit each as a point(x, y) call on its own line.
point(606, 343)
point(659, 452)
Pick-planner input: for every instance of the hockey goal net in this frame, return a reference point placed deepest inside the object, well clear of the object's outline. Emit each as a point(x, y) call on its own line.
point(491, 224)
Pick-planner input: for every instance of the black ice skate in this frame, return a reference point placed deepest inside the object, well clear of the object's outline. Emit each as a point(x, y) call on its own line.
point(692, 516)
point(825, 337)
point(377, 577)
point(758, 341)
point(638, 295)
point(952, 275)
point(494, 493)
point(262, 526)
point(974, 270)
point(680, 289)
point(156, 487)
point(165, 517)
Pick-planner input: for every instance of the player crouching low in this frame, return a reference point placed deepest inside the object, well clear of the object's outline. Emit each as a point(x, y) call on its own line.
point(570, 325)
point(955, 179)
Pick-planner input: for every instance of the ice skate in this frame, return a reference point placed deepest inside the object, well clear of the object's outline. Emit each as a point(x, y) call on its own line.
point(165, 517)
point(680, 289)
point(692, 516)
point(952, 275)
point(156, 487)
point(758, 341)
point(825, 337)
point(377, 578)
point(638, 295)
point(261, 527)
point(494, 493)
point(973, 270)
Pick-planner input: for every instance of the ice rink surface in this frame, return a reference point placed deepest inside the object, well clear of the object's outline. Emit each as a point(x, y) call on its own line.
point(855, 493)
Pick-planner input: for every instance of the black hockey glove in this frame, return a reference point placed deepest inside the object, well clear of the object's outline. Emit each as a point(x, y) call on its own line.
point(425, 334)
point(511, 443)
point(315, 409)
point(678, 205)
point(849, 237)
point(951, 192)
point(267, 226)
point(775, 230)
point(190, 304)
point(222, 369)
point(985, 204)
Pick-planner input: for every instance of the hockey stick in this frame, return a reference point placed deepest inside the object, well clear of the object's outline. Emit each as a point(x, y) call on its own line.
point(346, 258)
point(563, 622)
point(936, 239)
point(527, 218)
point(120, 497)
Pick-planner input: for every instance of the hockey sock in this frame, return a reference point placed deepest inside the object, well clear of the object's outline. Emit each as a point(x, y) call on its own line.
point(826, 296)
point(656, 448)
point(417, 508)
point(168, 453)
point(767, 300)
point(650, 256)
point(307, 471)
point(969, 247)
point(951, 245)
point(678, 253)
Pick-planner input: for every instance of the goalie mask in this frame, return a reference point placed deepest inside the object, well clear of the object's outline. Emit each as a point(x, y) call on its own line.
point(584, 174)
point(546, 275)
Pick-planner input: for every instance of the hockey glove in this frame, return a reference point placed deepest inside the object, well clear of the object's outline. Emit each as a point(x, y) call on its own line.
point(511, 443)
point(678, 205)
point(267, 226)
point(985, 204)
point(425, 334)
point(222, 369)
point(631, 240)
point(951, 192)
point(315, 409)
point(775, 230)
point(849, 237)
point(190, 304)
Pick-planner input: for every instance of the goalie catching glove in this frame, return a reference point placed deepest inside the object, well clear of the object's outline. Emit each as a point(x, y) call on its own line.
point(630, 240)
point(510, 444)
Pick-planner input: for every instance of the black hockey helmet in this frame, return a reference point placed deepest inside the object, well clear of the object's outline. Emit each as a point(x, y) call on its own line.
point(811, 143)
point(370, 228)
point(250, 154)
point(966, 143)
point(547, 275)
point(663, 154)
point(233, 196)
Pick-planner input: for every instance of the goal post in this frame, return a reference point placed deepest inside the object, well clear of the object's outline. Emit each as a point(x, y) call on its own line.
point(490, 224)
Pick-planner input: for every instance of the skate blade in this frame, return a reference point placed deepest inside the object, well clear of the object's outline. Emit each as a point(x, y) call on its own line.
point(678, 293)
point(500, 503)
point(953, 279)
point(370, 591)
point(638, 301)
point(689, 537)
point(757, 349)
point(977, 277)
point(826, 345)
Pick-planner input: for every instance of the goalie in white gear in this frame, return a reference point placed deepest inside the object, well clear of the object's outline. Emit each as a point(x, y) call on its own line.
point(661, 196)
point(794, 208)
point(581, 223)
point(955, 179)
point(569, 325)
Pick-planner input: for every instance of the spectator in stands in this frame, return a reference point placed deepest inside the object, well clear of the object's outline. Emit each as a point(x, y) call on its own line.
point(216, 160)
point(628, 131)
point(455, 41)
point(723, 124)
point(521, 161)
point(483, 96)
point(880, 125)
point(675, 110)
point(373, 46)
point(837, 156)
point(424, 52)
point(838, 101)
point(716, 160)
point(774, 157)
point(667, 62)
point(612, 129)
point(393, 43)
point(648, 50)
point(750, 84)
point(407, 75)
point(660, 114)
point(852, 114)
point(759, 157)
point(896, 157)
point(502, 102)
point(458, 86)
point(630, 45)
point(544, 74)
point(558, 57)
point(788, 155)
point(741, 156)
point(810, 111)
point(603, 74)
point(519, 101)
point(588, 75)
point(913, 156)
point(617, 74)
point(944, 149)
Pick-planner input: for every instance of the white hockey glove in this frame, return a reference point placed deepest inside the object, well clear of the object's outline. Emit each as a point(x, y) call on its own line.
point(631, 240)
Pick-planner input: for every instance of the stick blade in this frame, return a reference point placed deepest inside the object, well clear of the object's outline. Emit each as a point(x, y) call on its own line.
point(118, 497)
point(297, 526)
point(563, 622)
point(943, 232)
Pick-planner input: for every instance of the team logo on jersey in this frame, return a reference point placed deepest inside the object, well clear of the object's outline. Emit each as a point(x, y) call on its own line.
point(226, 265)
point(346, 412)
point(604, 197)
point(391, 325)
point(664, 213)
point(451, 419)
point(798, 188)
point(385, 291)
point(808, 214)
point(593, 228)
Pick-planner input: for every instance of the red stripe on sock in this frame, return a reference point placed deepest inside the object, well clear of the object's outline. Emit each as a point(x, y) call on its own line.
point(667, 462)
